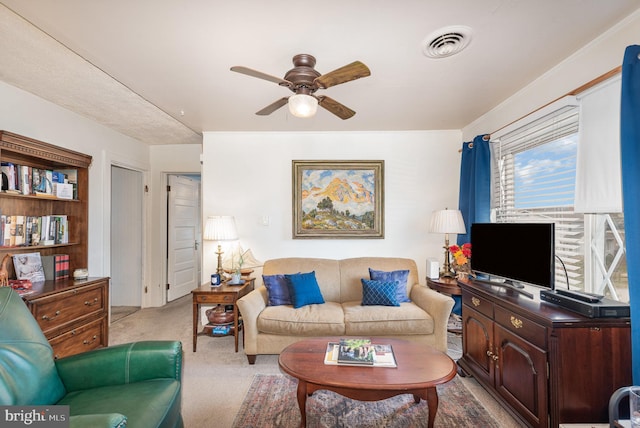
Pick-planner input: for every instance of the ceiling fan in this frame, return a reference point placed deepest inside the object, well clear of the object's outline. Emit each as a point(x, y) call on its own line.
point(303, 80)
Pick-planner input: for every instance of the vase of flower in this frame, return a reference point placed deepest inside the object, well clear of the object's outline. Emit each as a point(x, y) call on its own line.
point(461, 264)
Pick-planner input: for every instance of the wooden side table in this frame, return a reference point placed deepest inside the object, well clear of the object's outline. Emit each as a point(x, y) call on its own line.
point(447, 286)
point(223, 295)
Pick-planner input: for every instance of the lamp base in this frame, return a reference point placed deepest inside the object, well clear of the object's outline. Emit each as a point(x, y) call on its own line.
point(446, 269)
point(219, 271)
point(449, 274)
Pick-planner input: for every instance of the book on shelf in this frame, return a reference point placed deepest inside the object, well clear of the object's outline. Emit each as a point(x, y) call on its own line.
point(9, 170)
point(44, 183)
point(20, 230)
point(55, 266)
point(28, 266)
point(25, 179)
point(60, 231)
point(17, 230)
point(6, 235)
point(382, 355)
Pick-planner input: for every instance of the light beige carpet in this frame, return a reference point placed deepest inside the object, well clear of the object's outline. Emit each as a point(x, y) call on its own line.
point(215, 378)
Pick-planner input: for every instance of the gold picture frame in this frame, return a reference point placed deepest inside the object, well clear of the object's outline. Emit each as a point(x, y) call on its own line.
point(338, 199)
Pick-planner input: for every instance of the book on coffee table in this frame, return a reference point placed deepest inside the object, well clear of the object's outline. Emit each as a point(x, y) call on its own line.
point(382, 356)
point(355, 351)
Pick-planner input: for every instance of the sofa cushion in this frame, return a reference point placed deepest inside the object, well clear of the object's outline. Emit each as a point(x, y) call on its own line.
point(304, 289)
point(379, 293)
point(401, 276)
point(401, 320)
point(311, 320)
point(327, 271)
point(277, 289)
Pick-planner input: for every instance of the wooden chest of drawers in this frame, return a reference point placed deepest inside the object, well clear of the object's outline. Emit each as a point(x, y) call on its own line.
point(73, 314)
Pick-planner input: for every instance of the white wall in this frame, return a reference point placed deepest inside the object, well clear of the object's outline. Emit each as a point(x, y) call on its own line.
point(248, 175)
point(165, 159)
point(23, 113)
point(26, 114)
point(598, 57)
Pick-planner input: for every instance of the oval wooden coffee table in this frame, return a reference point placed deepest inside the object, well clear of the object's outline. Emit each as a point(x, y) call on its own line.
point(420, 369)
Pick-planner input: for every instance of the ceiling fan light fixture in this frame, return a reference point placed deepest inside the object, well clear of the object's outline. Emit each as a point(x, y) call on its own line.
point(302, 105)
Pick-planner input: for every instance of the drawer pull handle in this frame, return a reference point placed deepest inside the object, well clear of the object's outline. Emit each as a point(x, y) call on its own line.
point(89, 342)
point(516, 322)
point(48, 318)
point(88, 303)
point(475, 301)
point(491, 355)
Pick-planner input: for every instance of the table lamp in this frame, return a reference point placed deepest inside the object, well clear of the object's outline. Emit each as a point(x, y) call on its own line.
point(220, 228)
point(447, 221)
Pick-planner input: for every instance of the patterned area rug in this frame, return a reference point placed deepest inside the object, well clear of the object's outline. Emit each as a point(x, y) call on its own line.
point(271, 402)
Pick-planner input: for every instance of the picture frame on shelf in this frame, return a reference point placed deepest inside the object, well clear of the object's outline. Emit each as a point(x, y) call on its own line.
point(341, 199)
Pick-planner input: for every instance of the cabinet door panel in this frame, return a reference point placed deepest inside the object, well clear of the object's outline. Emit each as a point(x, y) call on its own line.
point(592, 362)
point(476, 342)
point(521, 376)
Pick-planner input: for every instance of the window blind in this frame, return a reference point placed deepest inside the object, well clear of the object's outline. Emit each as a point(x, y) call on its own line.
point(534, 167)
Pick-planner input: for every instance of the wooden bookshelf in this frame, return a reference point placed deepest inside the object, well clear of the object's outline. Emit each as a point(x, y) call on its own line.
point(72, 314)
point(26, 151)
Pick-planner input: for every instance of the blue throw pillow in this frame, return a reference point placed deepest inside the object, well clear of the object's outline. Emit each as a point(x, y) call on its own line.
point(379, 293)
point(277, 290)
point(304, 289)
point(401, 276)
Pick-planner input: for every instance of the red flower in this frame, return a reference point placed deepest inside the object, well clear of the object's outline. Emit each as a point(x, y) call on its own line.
point(466, 250)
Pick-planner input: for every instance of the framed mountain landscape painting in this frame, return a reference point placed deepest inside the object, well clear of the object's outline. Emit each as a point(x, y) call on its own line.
point(338, 199)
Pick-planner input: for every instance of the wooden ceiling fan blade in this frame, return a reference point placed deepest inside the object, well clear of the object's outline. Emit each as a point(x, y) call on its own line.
point(353, 71)
point(273, 107)
point(261, 75)
point(340, 110)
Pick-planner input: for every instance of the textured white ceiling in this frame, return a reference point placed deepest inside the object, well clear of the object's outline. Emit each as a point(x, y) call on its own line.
point(158, 70)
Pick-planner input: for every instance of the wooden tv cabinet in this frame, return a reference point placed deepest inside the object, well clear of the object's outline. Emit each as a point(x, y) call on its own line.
point(545, 364)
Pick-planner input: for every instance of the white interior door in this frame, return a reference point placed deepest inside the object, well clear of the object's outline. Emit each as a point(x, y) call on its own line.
point(126, 237)
point(183, 231)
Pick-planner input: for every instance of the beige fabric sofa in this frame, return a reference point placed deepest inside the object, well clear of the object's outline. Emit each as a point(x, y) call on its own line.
point(269, 329)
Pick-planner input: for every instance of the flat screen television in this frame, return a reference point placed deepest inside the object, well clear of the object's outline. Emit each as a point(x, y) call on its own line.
point(514, 253)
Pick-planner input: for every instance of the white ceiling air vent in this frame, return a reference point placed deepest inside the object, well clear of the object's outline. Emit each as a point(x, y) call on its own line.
point(447, 41)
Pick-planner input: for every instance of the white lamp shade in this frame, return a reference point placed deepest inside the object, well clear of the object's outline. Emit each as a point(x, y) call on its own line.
point(301, 105)
point(447, 221)
point(220, 228)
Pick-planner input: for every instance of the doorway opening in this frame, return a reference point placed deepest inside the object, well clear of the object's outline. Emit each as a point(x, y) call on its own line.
point(126, 231)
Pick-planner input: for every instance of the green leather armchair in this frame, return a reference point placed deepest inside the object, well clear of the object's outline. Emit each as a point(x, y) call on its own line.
point(136, 384)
